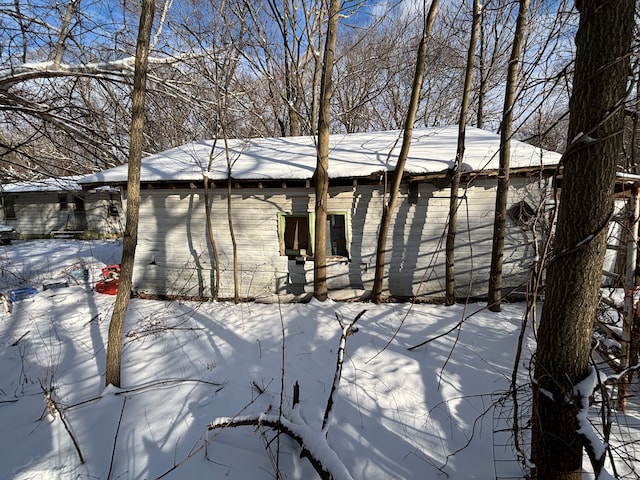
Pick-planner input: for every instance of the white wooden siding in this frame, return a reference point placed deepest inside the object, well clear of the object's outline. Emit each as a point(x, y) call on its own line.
point(39, 213)
point(174, 256)
point(99, 218)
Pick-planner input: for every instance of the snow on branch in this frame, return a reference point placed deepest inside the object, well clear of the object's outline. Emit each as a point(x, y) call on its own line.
point(30, 71)
point(346, 331)
point(313, 443)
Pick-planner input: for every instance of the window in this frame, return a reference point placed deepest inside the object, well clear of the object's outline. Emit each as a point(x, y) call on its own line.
point(337, 235)
point(62, 200)
point(522, 213)
point(9, 206)
point(297, 231)
point(79, 203)
point(296, 234)
point(113, 210)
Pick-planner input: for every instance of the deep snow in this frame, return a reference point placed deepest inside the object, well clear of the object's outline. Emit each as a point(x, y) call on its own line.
point(399, 414)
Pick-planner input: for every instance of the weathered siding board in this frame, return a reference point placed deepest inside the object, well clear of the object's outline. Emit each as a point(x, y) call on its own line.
point(174, 255)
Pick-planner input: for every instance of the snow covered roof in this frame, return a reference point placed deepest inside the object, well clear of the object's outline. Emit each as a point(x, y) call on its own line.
point(69, 184)
point(350, 156)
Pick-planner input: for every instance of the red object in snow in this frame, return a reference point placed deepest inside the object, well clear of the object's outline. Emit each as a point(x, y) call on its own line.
point(111, 271)
point(109, 288)
point(110, 279)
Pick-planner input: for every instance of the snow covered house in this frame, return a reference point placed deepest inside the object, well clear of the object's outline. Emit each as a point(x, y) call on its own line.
point(272, 213)
point(58, 206)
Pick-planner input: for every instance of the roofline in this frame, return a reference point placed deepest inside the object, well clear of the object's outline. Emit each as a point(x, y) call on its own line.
point(374, 179)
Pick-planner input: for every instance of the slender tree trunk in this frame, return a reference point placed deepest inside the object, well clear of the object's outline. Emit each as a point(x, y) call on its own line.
point(481, 74)
point(629, 306)
point(389, 206)
point(574, 273)
point(232, 232)
point(454, 202)
point(130, 239)
point(316, 77)
point(64, 31)
point(321, 175)
point(212, 240)
point(506, 130)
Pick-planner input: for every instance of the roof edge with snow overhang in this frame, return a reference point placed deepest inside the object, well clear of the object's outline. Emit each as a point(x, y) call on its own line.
point(351, 156)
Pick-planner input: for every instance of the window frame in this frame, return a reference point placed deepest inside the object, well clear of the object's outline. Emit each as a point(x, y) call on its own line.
point(9, 207)
point(79, 203)
point(282, 224)
point(347, 235)
point(63, 202)
point(311, 217)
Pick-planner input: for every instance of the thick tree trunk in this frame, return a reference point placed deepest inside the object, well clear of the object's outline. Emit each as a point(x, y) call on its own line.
point(574, 273)
point(321, 175)
point(454, 201)
point(389, 206)
point(506, 130)
point(130, 239)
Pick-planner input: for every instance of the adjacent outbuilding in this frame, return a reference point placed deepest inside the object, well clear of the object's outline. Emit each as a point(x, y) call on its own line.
point(59, 207)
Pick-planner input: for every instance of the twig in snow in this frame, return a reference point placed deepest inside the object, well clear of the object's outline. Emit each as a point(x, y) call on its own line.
point(346, 331)
point(53, 408)
point(15, 344)
point(444, 334)
point(115, 439)
point(170, 381)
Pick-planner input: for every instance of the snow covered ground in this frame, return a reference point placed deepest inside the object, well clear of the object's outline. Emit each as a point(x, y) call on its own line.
point(398, 414)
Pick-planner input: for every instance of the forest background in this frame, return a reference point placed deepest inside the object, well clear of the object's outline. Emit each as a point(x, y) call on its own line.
point(253, 68)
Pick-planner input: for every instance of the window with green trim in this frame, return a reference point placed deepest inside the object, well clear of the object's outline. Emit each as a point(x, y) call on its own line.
point(297, 233)
point(337, 235)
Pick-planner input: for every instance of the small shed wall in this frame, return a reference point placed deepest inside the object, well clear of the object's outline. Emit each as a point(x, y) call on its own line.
point(39, 213)
point(174, 255)
point(104, 213)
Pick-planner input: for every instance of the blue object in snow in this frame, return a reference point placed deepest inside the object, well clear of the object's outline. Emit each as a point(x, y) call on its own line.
point(22, 293)
point(78, 276)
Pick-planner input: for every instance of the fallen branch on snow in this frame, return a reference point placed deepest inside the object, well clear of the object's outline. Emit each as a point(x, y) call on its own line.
point(313, 443)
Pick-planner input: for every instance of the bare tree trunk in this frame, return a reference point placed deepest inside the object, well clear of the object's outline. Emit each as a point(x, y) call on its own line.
point(212, 240)
point(629, 307)
point(315, 82)
point(64, 31)
point(502, 192)
point(574, 273)
point(130, 239)
point(321, 175)
point(388, 207)
point(481, 73)
point(454, 204)
point(234, 243)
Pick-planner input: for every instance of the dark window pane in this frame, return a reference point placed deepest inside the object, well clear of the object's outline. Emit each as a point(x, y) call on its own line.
point(336, 235)
point(296, 234)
